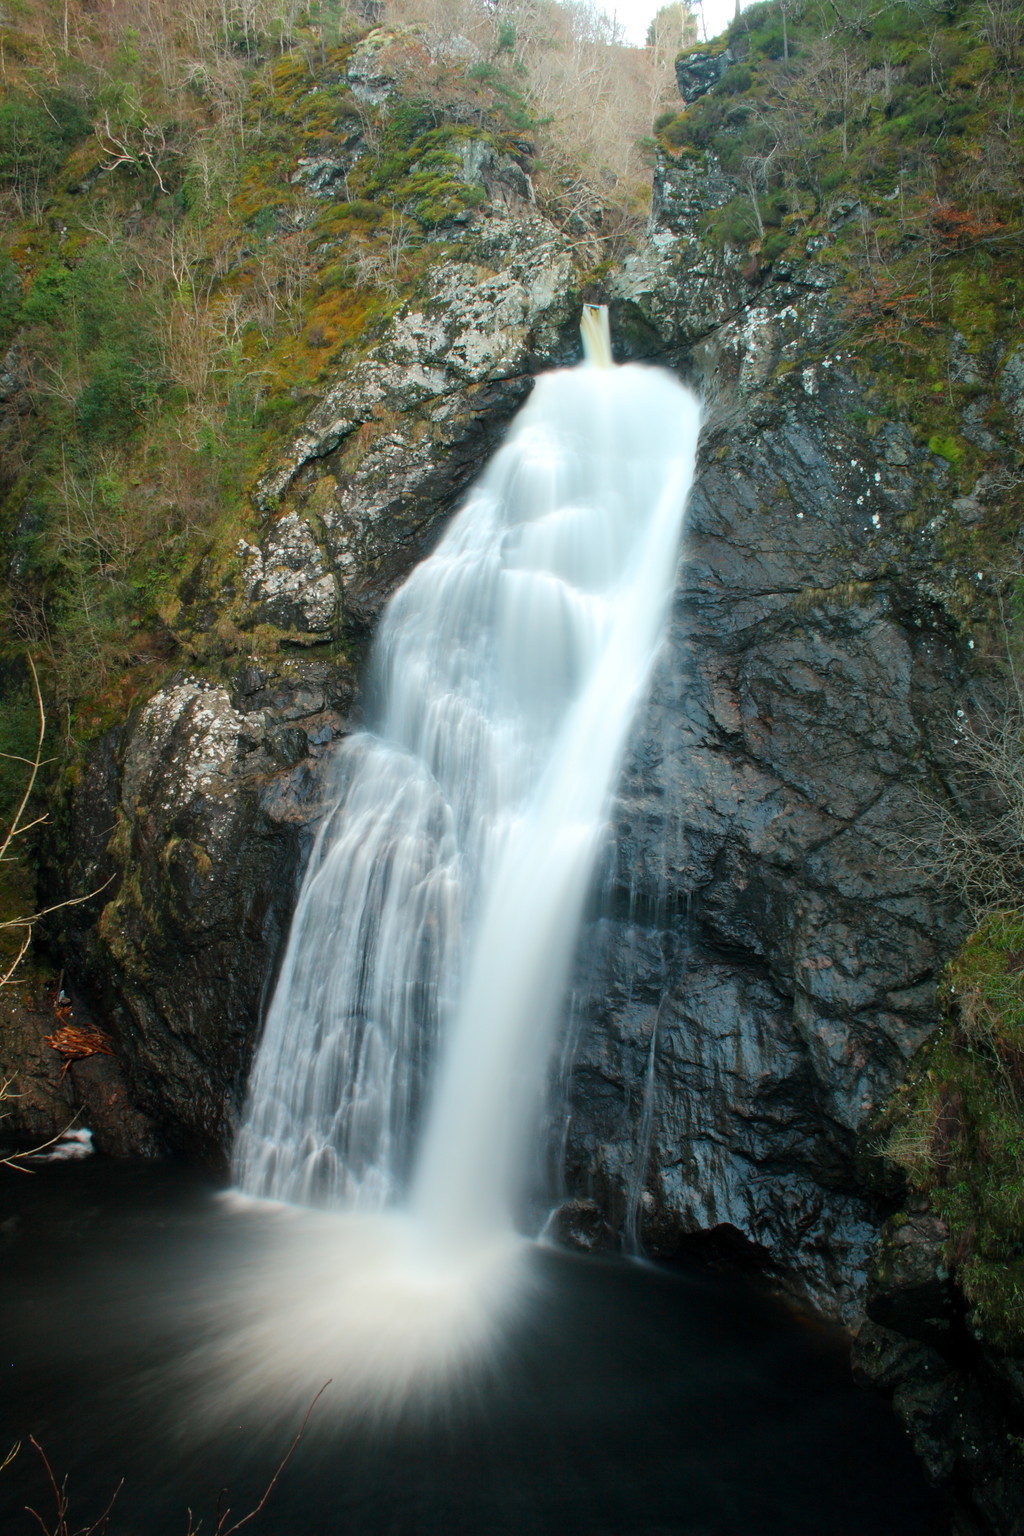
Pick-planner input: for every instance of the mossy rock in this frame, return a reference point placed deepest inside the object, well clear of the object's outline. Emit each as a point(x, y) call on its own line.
point(956, 1127)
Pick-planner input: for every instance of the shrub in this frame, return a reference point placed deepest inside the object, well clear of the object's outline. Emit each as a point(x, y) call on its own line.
point(36, 133)
point(10, 298)
point(735, 81)
point(96, 335)
point(949, 448)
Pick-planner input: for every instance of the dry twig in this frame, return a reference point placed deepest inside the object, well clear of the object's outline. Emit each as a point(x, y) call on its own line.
point(62, 1527)
point(222, 1528)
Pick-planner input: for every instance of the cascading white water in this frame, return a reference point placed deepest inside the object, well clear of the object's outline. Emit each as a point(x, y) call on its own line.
point(407, 1045)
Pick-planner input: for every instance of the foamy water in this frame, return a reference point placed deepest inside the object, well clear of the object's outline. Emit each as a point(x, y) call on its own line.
point(357, 1300)
point(402, 1071)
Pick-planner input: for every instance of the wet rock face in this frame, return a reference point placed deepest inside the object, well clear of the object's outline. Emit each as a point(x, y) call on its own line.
point(208, 801)
point(192, 821)
point(961, 1402)
point(50, 1095)
point(767, 961)
point(385, 455)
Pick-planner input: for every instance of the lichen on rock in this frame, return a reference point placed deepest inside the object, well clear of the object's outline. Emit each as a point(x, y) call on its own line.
point(286, 582)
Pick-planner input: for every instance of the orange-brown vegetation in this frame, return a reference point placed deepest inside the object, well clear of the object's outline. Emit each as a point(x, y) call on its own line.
point(74, 1042)
point(177, 292)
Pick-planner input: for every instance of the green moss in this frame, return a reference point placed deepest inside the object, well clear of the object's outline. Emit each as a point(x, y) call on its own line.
point(952, 449)
point(419, 167)
point(709, 50)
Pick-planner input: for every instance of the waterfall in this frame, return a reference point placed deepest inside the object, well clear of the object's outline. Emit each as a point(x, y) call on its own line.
point(406, 1049)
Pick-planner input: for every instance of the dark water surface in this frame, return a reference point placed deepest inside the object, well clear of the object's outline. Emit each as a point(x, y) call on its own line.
point(628, 1401)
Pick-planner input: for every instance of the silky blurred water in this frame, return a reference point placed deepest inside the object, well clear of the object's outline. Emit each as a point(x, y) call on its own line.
point(405, 1054)
point(174, 1336)
point(624, 1400)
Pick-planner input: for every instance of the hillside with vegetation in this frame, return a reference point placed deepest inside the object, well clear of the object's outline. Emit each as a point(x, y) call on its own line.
point(889, 143)
point(174, 291)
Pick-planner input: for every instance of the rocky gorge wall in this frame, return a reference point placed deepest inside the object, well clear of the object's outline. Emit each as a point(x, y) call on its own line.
point(763, 960)
point(200, 808)
point(771, 947)
point(767, 962)
point(763, 925)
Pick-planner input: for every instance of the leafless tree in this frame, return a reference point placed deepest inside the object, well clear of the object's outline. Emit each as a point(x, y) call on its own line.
point(134, 140)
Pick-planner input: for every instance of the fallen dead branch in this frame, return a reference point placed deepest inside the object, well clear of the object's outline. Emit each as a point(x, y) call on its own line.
point(75, 1042)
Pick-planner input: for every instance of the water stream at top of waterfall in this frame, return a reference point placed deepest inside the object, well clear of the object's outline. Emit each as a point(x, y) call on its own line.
point(402, 1069)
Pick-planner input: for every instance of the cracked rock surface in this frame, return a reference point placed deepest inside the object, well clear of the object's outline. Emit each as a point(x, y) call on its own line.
point(766, 961)
point(198, 811)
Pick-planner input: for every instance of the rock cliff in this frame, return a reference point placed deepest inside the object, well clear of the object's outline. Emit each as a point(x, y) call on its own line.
point(766, 963)
point(199, 807)
point(771, 956)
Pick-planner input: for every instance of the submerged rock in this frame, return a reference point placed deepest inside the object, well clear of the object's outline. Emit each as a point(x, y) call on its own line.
point(580, 1224)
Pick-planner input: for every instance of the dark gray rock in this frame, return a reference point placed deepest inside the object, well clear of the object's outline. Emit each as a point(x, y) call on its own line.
point(47, 1095)
point(961, 1403)
point(887, 1360)
point(580, 1224)
point(369, 72)
point(699, 72)
point(13, 379)
point(973, 424)
point(503, 179)
point(686, 188)
point(808, 669)
point(324, 175)
point(197, 818)
point(1011, 389)
point(910, 1290)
